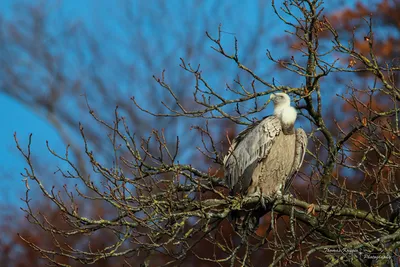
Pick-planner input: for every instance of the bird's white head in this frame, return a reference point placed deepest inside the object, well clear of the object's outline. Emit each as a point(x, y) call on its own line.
point(280, 100)
point(282, 108)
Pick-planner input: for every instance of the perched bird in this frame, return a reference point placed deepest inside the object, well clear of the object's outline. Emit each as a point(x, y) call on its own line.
point(264, 158)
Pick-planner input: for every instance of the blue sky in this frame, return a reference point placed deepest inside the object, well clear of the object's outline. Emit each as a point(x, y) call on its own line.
point(16, 117)
point(100, 18)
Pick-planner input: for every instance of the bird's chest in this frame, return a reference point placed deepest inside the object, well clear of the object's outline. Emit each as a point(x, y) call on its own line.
point(275, 169)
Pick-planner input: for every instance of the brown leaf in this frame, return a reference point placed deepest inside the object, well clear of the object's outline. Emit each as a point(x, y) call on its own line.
point(352, 62)
point(364, 121)
point(311, 209)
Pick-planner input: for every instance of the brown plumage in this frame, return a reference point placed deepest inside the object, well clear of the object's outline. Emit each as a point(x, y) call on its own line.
point(264, 158)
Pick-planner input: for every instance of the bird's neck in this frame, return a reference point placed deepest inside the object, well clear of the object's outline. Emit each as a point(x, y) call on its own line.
point(287, 115)
point(278, 110)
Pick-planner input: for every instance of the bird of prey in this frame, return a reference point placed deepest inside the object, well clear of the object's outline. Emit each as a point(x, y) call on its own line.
point(265, 157)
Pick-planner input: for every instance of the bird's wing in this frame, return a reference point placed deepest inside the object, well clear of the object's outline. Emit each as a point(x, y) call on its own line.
point(250, 146)
point(300, 151)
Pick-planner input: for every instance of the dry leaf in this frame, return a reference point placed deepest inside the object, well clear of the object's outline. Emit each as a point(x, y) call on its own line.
point(352, 62)
point(364, 121)
point(311, 209)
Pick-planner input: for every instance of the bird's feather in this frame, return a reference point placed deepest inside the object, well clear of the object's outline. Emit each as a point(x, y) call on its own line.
point(300, 151)
point(263, 160)
point(247, 149)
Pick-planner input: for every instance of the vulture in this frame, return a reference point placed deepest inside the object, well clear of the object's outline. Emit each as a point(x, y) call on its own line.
point(264, 158)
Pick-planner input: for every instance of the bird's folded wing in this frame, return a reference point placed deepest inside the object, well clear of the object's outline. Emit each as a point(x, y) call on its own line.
point(251, 145)
point(300, 151)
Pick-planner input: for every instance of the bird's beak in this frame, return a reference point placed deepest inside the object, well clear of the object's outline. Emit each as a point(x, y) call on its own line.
point(272, 96)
